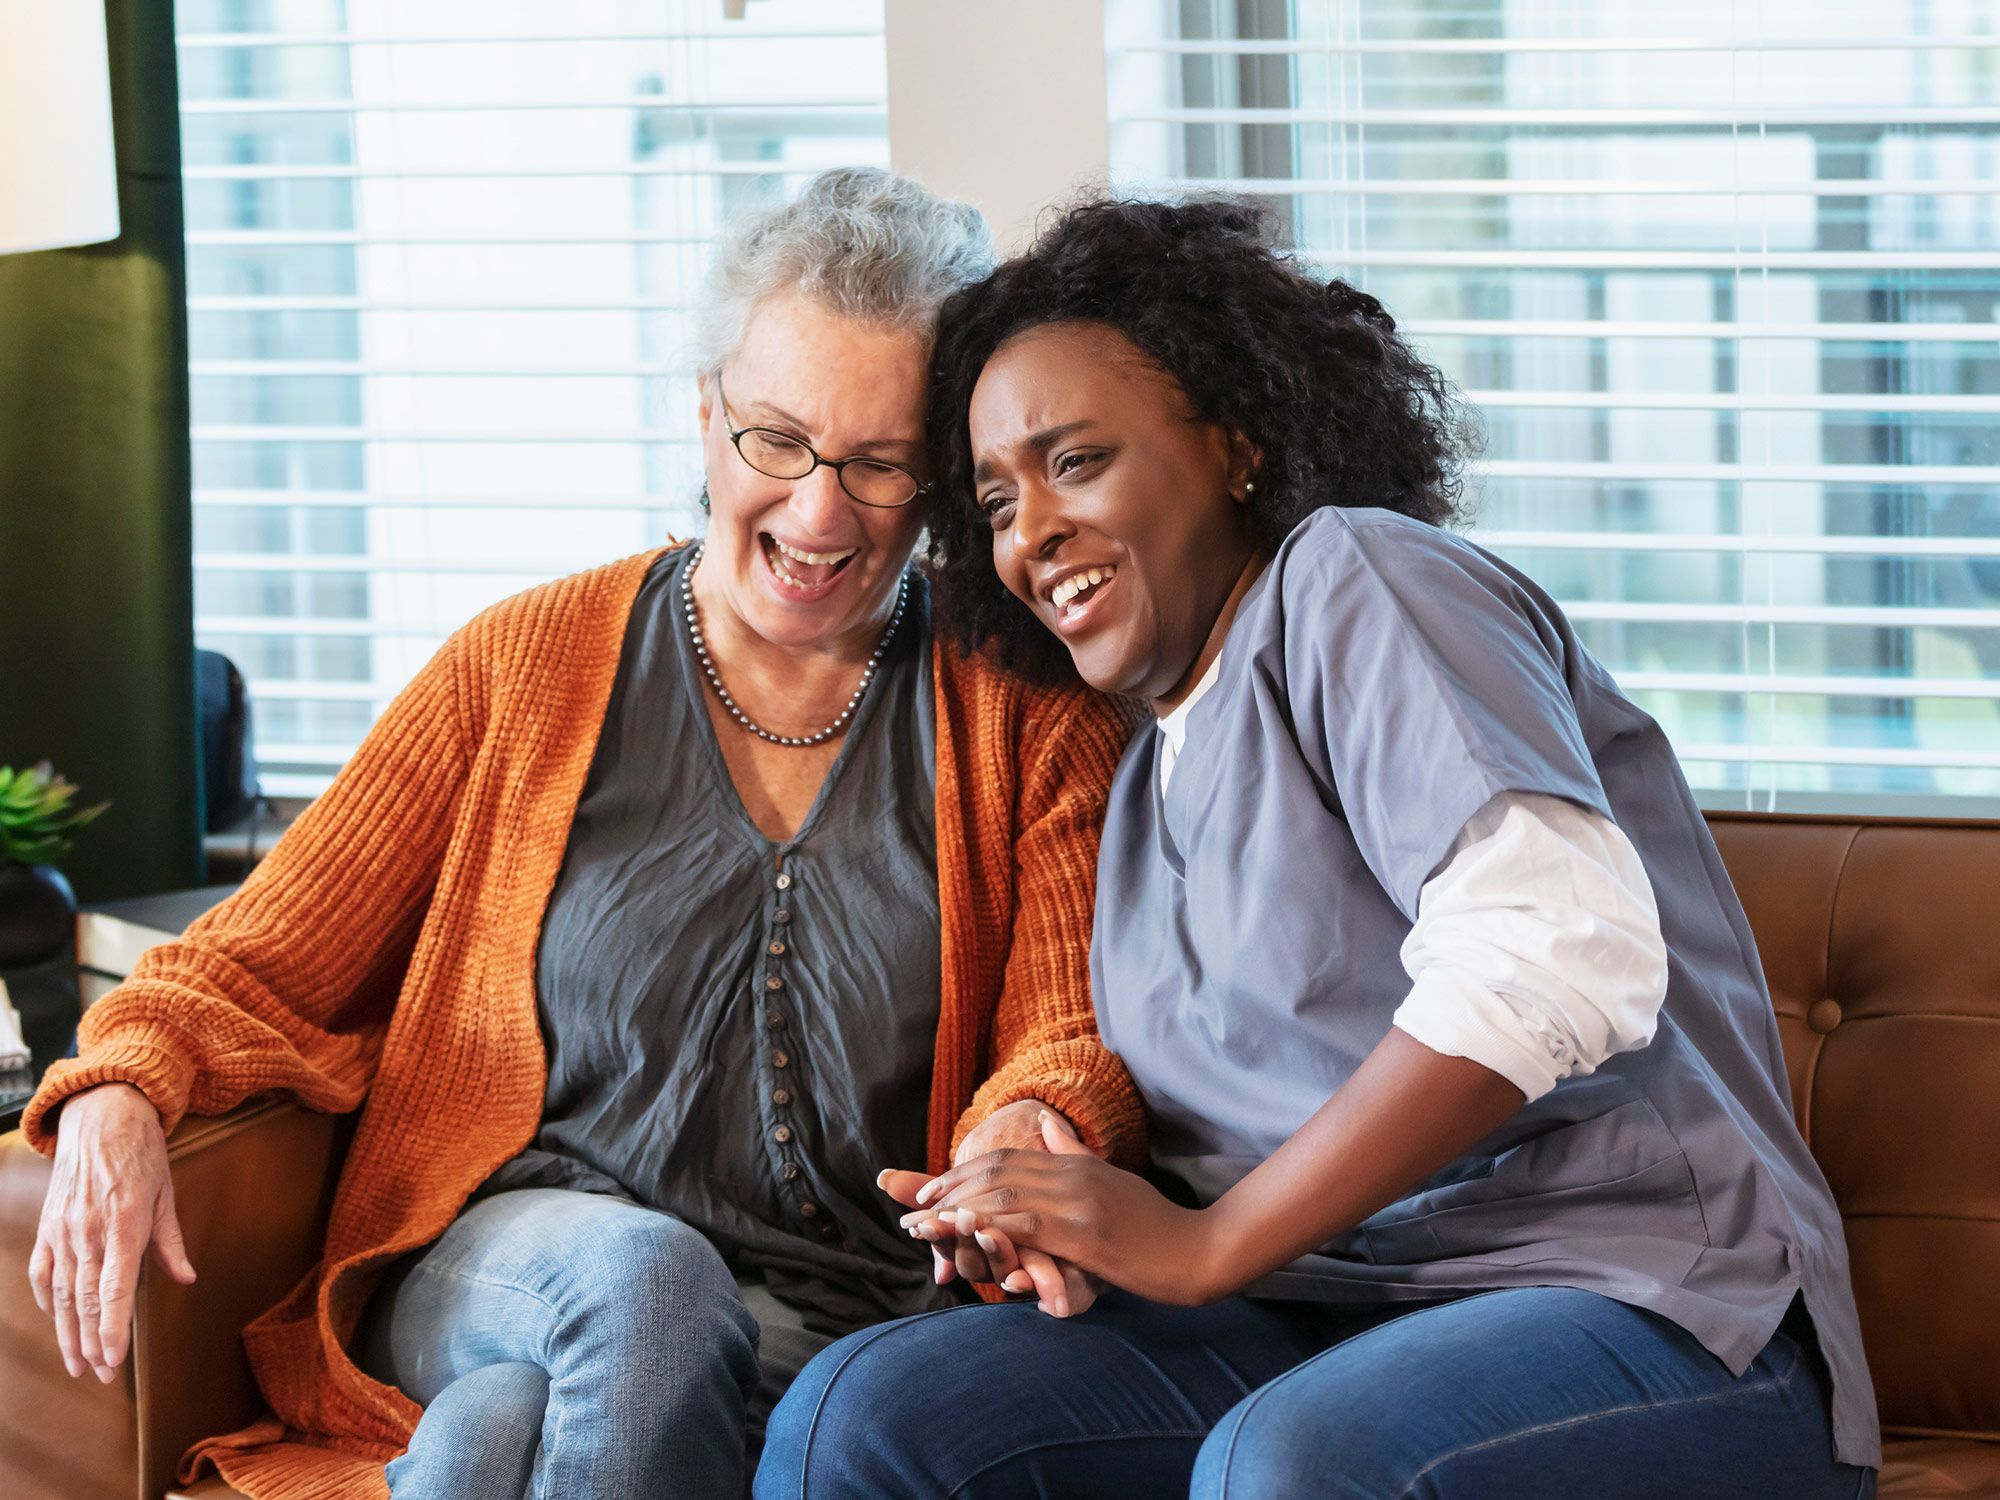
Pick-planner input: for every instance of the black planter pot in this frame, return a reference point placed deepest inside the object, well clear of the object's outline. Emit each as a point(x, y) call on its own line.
point(37, 914)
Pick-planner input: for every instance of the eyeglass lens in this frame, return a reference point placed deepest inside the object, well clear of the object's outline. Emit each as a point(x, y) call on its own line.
point(781, 457)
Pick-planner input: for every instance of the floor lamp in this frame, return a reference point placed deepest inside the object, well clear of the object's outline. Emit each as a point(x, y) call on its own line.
point(58, 182)
point(58, 177)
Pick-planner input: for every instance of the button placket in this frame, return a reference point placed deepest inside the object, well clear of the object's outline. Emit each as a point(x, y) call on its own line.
point(782, 1085)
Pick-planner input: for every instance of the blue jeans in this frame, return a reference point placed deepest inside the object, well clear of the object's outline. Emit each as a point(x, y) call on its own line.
point(566, 1345)
point(1535, 1394)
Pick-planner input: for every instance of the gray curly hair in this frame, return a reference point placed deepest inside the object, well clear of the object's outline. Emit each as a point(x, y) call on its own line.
point(857, 240)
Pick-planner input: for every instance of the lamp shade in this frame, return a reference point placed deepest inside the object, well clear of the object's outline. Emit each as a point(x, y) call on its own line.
point(58, 176)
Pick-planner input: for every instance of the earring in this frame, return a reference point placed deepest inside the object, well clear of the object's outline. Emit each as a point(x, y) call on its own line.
point(1249, 487)
point(704, 497)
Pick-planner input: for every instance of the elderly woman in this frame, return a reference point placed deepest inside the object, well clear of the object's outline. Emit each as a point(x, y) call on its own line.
point(665, 904)
point(1450, 1025)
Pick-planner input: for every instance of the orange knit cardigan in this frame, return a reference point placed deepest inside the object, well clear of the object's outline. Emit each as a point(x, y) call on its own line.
point(383, 957)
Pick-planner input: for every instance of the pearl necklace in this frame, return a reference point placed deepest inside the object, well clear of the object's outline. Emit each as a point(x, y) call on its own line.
point(736, 713)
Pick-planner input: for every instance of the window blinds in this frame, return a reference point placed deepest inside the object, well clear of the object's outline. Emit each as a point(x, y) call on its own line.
point(1720, 277)
point(442, 260)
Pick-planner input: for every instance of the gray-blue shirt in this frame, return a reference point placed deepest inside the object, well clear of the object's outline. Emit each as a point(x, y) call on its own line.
point(1382, 682)
point(740, 1032)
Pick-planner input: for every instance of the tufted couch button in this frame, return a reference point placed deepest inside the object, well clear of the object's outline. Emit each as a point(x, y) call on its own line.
point(1824, 1016)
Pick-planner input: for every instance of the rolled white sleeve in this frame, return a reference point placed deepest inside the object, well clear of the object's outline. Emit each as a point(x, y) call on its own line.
point(1537, 949)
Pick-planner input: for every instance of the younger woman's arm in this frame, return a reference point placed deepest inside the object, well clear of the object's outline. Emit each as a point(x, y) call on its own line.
point(1536, 953)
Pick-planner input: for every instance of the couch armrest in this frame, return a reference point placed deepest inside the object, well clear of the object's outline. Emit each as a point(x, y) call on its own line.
point(60, 1439)
point(252, 1189)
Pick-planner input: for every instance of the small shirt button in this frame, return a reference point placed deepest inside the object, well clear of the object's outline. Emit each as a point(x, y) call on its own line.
point(780, 1060)
point(776, 1023)
point(781, 916)
point(784, 882)
point(1824, 1016)
point(808, 1210)
point(781, 1096)
point(775, 949)
point(790, 1171)
point(774, 983)
point(782, 1134)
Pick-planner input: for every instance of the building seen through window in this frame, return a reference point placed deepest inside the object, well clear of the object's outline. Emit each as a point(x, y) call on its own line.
point(1720, 277)
point(442, 260)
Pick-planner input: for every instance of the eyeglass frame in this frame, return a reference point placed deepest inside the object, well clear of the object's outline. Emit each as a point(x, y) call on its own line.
point(839, 466)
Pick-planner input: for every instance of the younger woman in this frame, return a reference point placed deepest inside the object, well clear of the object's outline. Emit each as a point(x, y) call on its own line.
point(1412, 937)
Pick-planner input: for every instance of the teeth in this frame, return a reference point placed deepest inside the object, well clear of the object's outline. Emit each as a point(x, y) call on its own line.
point(1077, 582)
point(814, 558)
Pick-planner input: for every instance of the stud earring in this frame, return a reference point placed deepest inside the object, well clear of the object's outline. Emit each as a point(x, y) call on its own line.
point(1249, 487)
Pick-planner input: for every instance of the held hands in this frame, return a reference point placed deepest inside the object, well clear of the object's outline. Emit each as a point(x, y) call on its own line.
point(110, 1198)
point(961, 1246)
point(1066, 1204)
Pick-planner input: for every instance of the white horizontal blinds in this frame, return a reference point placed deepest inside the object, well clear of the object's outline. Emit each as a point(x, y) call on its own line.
point(443, 258)
point(1721, 277)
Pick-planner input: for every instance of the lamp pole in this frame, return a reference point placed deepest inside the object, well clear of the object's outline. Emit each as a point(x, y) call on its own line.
point(96, 530)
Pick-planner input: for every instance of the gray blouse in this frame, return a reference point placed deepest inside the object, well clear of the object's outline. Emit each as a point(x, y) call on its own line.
point(1382, 682)
point(740, 1032)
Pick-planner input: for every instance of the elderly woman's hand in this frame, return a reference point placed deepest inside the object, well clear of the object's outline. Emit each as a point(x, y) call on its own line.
point(1016, 1126)
point(961, 1245)
point(109, 1200)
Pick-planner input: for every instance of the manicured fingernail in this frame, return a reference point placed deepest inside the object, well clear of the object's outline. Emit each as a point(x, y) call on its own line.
point(882, 1178)
point(985, 1241)
point(928, 1191)
point(1019, 1281)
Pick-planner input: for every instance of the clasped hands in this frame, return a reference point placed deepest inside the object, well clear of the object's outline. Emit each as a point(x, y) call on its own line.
point(1029, 1206)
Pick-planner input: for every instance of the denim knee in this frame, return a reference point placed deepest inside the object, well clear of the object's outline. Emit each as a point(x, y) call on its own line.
point(1270, 1460)
point(824, 1439)
point(479, 1437)
point(648, 1286)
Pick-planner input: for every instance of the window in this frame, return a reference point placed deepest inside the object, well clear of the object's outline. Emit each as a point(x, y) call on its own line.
point(1721, 277)
point(441, 264)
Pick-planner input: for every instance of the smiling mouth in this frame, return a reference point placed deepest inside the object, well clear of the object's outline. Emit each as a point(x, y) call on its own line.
point(1076, 591)
point(801, 569)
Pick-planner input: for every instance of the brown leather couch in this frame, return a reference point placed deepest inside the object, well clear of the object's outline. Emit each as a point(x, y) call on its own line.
point(1881, 941)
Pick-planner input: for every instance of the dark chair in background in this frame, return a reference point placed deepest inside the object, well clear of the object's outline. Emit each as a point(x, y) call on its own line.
point(231, 796)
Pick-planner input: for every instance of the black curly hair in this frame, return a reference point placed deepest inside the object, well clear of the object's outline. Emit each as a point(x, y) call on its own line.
point(1309, 371)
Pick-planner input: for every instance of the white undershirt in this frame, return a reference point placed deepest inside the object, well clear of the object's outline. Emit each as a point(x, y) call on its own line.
point(1173, 726)
point(1537, 949)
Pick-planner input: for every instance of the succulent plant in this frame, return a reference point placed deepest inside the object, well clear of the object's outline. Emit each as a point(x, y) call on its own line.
point(36, 819)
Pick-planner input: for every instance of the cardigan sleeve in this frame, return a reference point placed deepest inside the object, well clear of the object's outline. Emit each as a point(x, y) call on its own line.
point(289, 984)
point(1045, 1044)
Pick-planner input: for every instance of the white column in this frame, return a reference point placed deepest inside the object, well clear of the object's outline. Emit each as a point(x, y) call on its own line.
point(999, 102)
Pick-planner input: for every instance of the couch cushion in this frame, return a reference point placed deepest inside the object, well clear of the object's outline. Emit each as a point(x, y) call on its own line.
point(1939, 1469)
point(1881, 943)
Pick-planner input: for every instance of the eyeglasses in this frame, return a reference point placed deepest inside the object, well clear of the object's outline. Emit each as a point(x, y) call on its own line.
point(871, 481)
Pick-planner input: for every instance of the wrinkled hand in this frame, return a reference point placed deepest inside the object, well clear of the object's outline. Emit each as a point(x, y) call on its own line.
point(1012, 1127)
point(1074, 1207)
point(110, 1198)
point(961, 1243)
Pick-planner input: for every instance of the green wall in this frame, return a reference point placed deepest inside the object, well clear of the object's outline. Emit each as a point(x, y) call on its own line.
point(96, 586)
